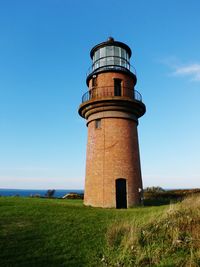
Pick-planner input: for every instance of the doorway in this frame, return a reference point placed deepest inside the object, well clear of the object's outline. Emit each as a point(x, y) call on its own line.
point(121, 197)
point(117, 87)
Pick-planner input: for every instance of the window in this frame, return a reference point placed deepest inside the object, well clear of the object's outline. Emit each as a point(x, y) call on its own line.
point(98, 124)
point(109, 51)
point(117, 51)
point(96, 66)
point(117, 87)
point(123, 53)
point(102, 52)
point(123, 62)
point(94, 81)
point(97, 55)
point(116, 61)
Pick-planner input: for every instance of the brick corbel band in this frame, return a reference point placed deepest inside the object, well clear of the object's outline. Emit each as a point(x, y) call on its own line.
point(111, 114)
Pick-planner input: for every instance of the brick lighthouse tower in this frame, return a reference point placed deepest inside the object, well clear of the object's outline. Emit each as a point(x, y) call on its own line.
point(112, 107)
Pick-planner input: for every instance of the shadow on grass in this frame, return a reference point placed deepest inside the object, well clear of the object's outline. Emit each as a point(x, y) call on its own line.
point(159, 201)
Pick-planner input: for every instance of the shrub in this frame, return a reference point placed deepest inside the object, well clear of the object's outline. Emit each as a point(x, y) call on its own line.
point(73, 196)
point(154, 189)
point(50, 193)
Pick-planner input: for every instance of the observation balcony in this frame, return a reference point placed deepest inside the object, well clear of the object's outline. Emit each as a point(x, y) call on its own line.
point(111, 92)
point(112, 98)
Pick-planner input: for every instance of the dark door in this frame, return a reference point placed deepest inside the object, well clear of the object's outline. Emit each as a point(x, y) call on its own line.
point(117, 87)
point(121, 199)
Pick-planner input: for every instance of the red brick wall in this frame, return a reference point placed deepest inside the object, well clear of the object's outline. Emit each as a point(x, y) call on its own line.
point(112, 150)
point(112, 153)
point(107, 79)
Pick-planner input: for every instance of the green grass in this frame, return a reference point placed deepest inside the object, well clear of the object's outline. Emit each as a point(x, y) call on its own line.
point(170, 240)
point(53, 232)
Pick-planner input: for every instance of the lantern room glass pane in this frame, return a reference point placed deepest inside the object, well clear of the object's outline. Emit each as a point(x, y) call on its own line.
point(123, 53)
point(97, 65)
point(96, 56)
point(110, 61)
point(127, 56)
point(123, 62)
point(102, 62)
point(117, 61)
point(102, 52)
point(110, 51)
point(117, 51)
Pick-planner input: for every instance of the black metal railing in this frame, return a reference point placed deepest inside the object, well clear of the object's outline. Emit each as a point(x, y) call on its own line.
point(93, 70)
point(111, 91)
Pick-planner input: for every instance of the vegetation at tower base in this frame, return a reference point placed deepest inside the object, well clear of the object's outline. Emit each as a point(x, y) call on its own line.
point(56, 232)
point(173, 239)
point(159, 196)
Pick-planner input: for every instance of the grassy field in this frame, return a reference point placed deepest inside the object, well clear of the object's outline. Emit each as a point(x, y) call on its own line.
point(55, 232)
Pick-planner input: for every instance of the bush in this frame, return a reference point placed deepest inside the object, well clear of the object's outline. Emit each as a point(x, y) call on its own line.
point(73, 196)
point(154, 189)
point(156, 197)
point(50, 193)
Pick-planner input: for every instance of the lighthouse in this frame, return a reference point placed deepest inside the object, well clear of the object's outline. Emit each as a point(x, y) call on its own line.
point(111, 107)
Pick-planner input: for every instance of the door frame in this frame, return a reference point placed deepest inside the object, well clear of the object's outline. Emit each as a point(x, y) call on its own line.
point(121, 200)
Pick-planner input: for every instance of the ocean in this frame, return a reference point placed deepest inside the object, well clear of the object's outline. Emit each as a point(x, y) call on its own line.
point(31, 192)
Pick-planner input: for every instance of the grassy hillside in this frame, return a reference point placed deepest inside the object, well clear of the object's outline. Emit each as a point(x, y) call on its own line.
point(53, 232)
point(170, 240)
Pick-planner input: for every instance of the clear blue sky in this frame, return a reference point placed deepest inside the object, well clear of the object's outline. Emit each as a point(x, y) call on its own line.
point(44, 57)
